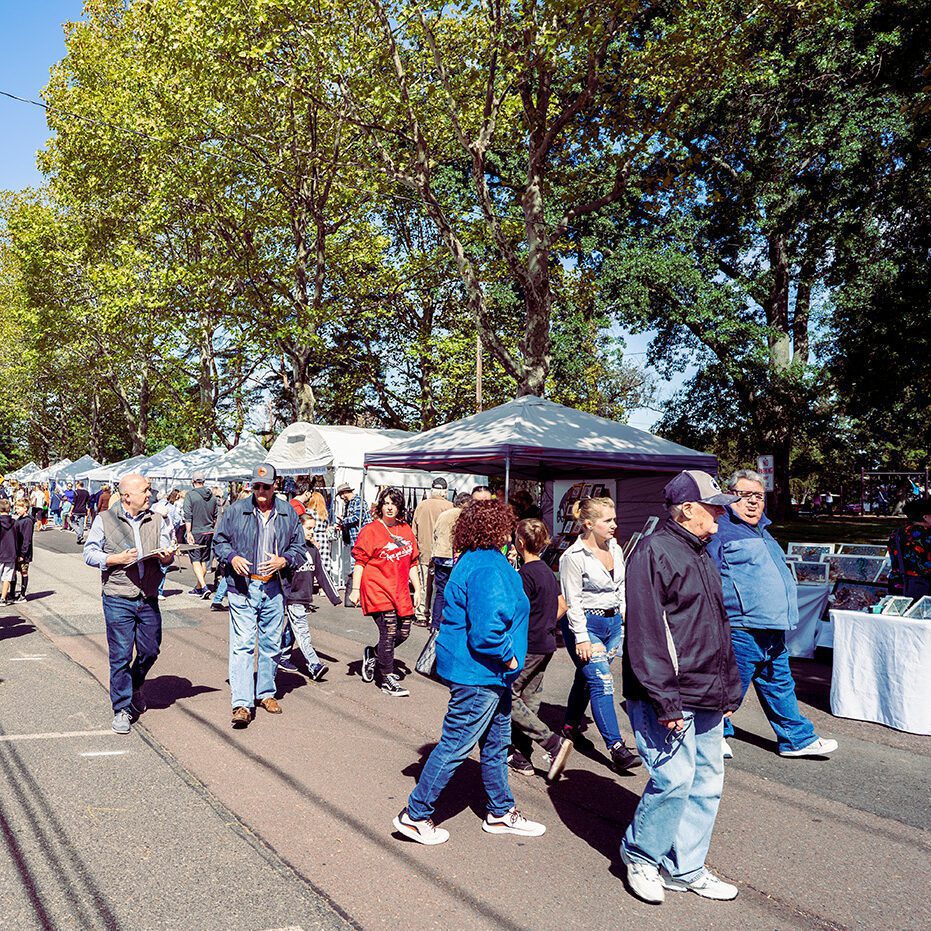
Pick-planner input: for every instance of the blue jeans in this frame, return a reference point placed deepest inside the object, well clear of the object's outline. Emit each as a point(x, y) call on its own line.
point(259, 613)
point(593, 680)
point(762, 658)
point(300, 632)
point(441, 575)
point(675, 817)
point(477, 714)
point(131, 622)
point(222, 588)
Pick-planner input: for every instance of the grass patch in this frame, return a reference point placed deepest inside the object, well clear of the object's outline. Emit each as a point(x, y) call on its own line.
point(835, 529)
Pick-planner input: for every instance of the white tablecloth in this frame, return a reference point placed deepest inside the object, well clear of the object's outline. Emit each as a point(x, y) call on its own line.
point(812, 600)
point(882, 670)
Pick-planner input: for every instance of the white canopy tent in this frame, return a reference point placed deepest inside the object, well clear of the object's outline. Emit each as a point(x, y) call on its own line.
point(22, 470)
point(114, 471)
point(306, 449)
point(74, 470)
point(183, 469)
point(236, 464)
point(43, 475)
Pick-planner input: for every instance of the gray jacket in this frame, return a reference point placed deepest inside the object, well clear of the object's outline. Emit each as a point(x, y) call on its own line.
point(112, 532)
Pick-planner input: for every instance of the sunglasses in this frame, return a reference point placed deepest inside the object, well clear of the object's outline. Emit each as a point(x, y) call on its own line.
point(260, 485)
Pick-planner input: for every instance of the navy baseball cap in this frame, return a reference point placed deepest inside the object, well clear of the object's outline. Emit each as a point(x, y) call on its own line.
point(264, 473)
point(693, 485)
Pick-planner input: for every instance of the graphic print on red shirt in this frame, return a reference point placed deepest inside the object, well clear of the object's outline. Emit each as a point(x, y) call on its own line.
point(387, 554)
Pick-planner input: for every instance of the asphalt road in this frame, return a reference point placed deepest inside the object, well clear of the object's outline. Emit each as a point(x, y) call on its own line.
point(838, 843)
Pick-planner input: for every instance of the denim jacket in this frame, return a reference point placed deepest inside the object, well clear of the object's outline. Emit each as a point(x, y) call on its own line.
point(759, 591)
point(237, 532)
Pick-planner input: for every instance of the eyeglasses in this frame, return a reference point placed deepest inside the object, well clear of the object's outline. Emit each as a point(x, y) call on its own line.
point(751, 495)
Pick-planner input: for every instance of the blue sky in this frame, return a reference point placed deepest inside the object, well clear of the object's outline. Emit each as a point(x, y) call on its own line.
point(31, 41)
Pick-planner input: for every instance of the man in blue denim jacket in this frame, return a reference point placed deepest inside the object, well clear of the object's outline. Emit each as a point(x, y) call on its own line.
point(761, 603)
point(257, 538)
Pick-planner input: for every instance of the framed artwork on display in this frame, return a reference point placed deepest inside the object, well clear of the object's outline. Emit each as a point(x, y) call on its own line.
point(791, 564)
point(811, 552)
point(806, 571)
point(885, 569)
point(854, 568)
point(856, 596)
point(793, 557)
point(862, 549)
point(920, 609)
point(897, 605)
point(877, 608)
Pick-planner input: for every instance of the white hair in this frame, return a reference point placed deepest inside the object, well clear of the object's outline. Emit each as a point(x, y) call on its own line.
point(747, 474)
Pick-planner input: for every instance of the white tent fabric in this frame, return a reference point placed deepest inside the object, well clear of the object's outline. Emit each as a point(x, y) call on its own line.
point(74, 469)
point(113, 471)
point(236, 464)
point(181, 470)
point(162, 457)
point(43, 475)
point(22, 470)
point(305, 449)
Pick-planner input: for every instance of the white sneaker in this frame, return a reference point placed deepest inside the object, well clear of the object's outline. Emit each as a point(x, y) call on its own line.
point(726, 747)
point(708, 886)
point(122, 723)
point(512, 822)
point(817, 747)
point(424, 832)
point(644, 880)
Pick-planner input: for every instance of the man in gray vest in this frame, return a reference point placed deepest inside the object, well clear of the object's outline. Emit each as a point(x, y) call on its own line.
point(129, 544)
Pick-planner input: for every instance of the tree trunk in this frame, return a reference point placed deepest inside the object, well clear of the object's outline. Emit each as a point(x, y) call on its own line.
point(303, 400)
point(801, 313)
point(535, 343)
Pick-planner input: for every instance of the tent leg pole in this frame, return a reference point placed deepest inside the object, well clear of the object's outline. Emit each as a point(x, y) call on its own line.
point(507, 479)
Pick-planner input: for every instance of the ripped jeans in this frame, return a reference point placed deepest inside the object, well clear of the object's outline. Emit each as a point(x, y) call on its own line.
point(594, 680)
point(392, 632)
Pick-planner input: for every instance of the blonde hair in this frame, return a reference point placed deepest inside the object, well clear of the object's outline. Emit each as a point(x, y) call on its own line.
point(589, 508)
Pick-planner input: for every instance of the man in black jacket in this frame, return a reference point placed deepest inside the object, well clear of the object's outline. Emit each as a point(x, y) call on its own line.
point(200, 518)
point(79, 507)
point(680, 681)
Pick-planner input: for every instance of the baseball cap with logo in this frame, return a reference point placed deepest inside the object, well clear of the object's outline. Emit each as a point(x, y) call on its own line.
point(440, 483)
point(693, 485)
point(264, 473)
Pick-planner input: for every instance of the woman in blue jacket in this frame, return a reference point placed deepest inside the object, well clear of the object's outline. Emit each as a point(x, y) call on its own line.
point(480, 649)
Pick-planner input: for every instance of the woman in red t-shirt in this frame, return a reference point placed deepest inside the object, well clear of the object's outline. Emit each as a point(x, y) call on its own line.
point(386, 568)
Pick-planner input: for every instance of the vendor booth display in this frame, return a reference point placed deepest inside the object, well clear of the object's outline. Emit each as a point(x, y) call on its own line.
point(532, 438)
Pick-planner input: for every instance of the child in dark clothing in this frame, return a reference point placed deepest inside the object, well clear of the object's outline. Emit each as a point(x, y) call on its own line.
point(299, 598)
point(8, 551)
point(23, 527)
point(546, 607)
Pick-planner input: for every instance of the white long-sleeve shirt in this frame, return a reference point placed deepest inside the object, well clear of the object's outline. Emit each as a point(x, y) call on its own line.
point(588, 586)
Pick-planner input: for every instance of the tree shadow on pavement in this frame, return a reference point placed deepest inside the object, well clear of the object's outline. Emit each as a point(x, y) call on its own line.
point(597, 809)
point(15, 626)
point(163, 691)
point(35, 596)
point(813, 683)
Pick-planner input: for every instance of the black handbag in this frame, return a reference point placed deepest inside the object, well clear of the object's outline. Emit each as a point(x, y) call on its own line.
point(426, 662)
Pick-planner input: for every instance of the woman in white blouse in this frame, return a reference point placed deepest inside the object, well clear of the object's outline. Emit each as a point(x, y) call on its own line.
point(591, 574)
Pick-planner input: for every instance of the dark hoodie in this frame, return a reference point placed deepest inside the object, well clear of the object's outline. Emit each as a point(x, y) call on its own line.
point(200, 510)
point(8, 547)
point(24, 527)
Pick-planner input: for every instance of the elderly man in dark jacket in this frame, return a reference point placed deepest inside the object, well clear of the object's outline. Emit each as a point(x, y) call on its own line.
point(257, 538)
point(680, 681)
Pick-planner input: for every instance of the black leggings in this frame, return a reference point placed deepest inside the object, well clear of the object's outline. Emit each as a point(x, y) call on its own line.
point(392, 632)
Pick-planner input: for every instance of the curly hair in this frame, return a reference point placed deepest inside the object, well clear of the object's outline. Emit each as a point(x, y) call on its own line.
point(395, 497)
point(483, 525)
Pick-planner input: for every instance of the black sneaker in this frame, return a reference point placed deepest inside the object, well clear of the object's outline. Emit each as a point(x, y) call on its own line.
point(622, 759)
point(368, 664)
point(392, 687)
point(518, 763)
point(318, 671)
point(216, 607)
point(574, 733)
point(197, 592)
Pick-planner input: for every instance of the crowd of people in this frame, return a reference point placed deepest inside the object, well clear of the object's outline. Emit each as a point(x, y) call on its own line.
point(698, 613)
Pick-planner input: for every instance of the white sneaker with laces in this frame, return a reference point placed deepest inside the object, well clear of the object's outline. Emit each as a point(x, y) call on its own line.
point(424, 832)
point(644, 880)
point(726, 747)
point(708, 886)
point(122, 723)
point(512, 822)
point(818, 747)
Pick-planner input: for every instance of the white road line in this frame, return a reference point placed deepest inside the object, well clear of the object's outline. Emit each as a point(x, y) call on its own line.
point(289, 928)
point(52, 735)
point(104, 752)
point(27, 659)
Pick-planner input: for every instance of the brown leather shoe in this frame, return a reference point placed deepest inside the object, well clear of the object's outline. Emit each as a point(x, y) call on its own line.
point(241, 717)
point(270, 705)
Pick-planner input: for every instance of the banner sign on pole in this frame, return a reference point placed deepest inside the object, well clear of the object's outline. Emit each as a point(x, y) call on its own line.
point(766, 466)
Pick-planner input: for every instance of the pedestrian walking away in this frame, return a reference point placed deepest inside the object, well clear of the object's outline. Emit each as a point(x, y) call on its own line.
point(546, 607)
point(480, 650)
point(762, 604)
point(80, 505)
point(299, 599)
point(680, 680)
point(591, 575)
point(423, 525)
point(200, 518)
point(129, 544)
point(8, 551)
point(257, 537)
point(385, 571)
point(443, 556)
